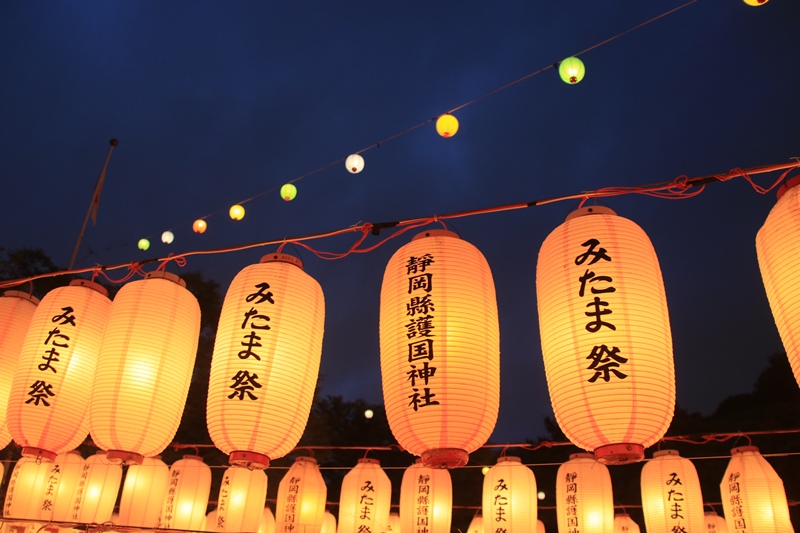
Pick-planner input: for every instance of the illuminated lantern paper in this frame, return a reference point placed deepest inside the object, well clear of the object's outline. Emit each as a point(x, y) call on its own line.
point(605, 335)
point(571, 70)
point(715, 523)
point(354, 163)
point(540, 527)
point(288, 192)
point(509, 494)
point(753, 496)
point(210, 521)
point(167, 237)
point(267, 524)
point(671, 494)
point(96, 494)
point(476, 524)
point(199, 226)
point(143, 376)
point(446, 125)
point(583, 495)
point(187, 496)
point(236, 212)
point(776, 245)
point(394, 523)
point(301, 498)
point(437, 513)
point(440, 348)
point(241, 500)
point(623, 523)
point(48, 409)
point(365, 486)
point(143, 493)
point(143, 244)
point(61, 482)
point(755, 2)
point(25, 489)
point(266, 361)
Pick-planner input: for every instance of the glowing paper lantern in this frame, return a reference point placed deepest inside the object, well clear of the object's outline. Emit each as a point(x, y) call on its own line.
point(476, 524)
point(715, 523)
point(671, 494)
point(440, 350)
point(288, 192)
point(394, 523)
point(446, 125)
point(267, 524)
point(167, 237)
point(61, 482)
point(540, 527)
point(366, 486)
point(776, 243)
point(755, 2)
point(199, 225)
point(143, 244)
point(236, 212)
point(187, 496)
point(241, 500)
point(623, 523)
point(25, 489)
point(48, 408)
point(605, 335)
point(354, 163)
point(143, 377)
point(143, 493)
point(210, 521)
point(96, 493)
point(509, 495)
point(752, 494)
point(266, 361)
point(301, 498)
point(584, 500)
point(434, 484)
point(571, 70)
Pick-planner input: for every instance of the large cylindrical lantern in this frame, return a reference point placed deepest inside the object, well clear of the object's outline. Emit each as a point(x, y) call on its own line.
point(16, 312)
point(623, 523)
point(365, 499)
point(605, 335)
point(241, 500)
point(48, 408)
point(476, 524)
point(509, 495)
point(671, 494)
point(753, 496)
point(302, 493)
point(97, 490)
point(187, 496)
point(440, 349)
point(776, 245)
point(715, 523)
point(266, 361)
point(584, 500)
point(25, 489)
point(143, 493)
point(63, 476)
point(426, 499)
point(143, 376)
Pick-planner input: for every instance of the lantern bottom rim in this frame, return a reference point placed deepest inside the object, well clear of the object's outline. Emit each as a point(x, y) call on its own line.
point(619, 454)
point(38, 453)
point(123, 457)
point(249, 460)
point(445, 458)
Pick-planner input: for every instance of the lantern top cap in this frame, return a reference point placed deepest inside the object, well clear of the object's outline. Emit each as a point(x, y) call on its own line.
point(193, 457)
point(788, 184)
point(23, 295)
point(436, 233)
point(305, 459)
point(662, 453)
point(591, 210)
point(282, 258)
point(581, 456)
point(169, 276)
point(743, 449)
point(622, 515)
point(711, 513)
point(509, 459)
point(89, 285)
point(368, 460)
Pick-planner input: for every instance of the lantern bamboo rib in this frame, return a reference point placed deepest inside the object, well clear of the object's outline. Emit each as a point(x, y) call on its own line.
point(675, 189)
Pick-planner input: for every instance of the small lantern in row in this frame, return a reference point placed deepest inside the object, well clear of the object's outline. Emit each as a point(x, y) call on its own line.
point(366, 498)
point(426, 499)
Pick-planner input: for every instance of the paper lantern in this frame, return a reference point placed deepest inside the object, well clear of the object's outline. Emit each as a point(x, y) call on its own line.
point(753, 497)
point(671, 494)
point(167, 237)
point(16, 312)
point(426, 499)
point(241, 500)
point(755, 2)
point(605, 335)
point(715, 523)
point(48, 408)
point(61, 482)
point(476, 524)
point(301, 498)
point(354, 163)
point(366, 498)
point(210, 521)
point(571, 70)
point(267, 524)
point(143, 244)
point(509, 495)
point(440, 348)
point(143, 377)
point(288, 192)
point(584, 500)
point(199, 225)
point(266, 361)
point(143, 493)
point(623, 523)
point(446, 125)
point(540, 527)
point(187, 497)
point(776, 245)
point(236, 212)
point(394, 524)
point(96, 493)
point(25, 489)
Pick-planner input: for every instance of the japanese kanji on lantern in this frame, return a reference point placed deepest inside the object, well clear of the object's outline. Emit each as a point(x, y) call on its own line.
point(143, 493)
point(753, 496)
point(96, 493)
point(715, 523)
point(302, 493)
point(440, 348)
point(777, 243)
point(143, 377)
point(509, 495)
point(671, 496)
point(25, 489)
point(584, 500)
point(266, 361)
point(187, 495)
point(426, 500)
point(61, 482)
point(623, 523)
point(48, 408)
point(365, 499)
point(605, 335)
point(241, 500)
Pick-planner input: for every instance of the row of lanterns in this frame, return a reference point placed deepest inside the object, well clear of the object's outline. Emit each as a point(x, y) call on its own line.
point(74, 490)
